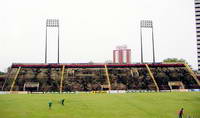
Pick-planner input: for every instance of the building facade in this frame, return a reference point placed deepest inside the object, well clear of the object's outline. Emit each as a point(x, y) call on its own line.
point(122, 55)
point(197, 14)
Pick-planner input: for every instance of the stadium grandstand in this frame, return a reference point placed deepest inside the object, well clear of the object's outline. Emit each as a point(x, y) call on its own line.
point(98, 77)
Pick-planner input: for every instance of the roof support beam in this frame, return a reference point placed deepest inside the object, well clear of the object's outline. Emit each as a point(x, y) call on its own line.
point(16, 75)
point(107, 75)
point(152, 77)
point(61, 79)
point(192, 73)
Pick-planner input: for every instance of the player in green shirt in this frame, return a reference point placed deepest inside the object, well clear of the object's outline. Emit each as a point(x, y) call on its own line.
point(50, 104)
point(62, 101)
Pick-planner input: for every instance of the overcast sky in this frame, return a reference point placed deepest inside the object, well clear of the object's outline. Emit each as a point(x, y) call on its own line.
point(91, 29)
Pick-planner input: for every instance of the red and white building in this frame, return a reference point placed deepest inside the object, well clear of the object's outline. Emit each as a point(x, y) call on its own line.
point(122, 55)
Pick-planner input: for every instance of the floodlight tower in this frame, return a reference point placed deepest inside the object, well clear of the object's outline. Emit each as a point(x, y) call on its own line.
point(52, 23)
point(146, 24)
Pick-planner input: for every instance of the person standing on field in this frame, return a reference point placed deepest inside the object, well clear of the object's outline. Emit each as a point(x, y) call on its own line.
point(180, 113)
point(62, 101)
point(49, 104)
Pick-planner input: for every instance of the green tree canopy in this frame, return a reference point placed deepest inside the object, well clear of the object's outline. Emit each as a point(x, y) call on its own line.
point(1, 73)
point(174, 60)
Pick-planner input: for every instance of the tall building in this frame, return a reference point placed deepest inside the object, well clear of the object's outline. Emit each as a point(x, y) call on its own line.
point(122, 55)
point(197, 14)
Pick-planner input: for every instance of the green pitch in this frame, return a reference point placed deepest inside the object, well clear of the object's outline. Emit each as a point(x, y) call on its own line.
point(129, 105)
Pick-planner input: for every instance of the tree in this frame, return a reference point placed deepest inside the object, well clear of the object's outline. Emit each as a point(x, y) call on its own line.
point(174, 60)
point(2, 73)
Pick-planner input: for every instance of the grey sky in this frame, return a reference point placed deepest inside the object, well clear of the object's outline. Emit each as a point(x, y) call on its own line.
point(91, 29)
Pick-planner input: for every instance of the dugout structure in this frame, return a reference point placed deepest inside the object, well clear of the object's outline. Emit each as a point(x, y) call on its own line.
point(31, 86)
point(176, 85)
point(97, 77)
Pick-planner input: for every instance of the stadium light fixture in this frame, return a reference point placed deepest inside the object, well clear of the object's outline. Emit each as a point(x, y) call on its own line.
point(52, 23)
point(146, 23)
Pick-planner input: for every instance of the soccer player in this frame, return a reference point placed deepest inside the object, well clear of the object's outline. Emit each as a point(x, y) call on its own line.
point(180, 114)
point(49, 104)
point(62, 101)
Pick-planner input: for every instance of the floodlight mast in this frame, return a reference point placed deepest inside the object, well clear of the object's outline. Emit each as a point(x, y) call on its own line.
point(141, 43)
point(52, 23)
point(146, 24)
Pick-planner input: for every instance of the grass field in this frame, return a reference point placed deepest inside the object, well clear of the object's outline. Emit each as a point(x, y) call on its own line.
point(129, 105)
